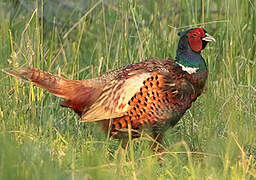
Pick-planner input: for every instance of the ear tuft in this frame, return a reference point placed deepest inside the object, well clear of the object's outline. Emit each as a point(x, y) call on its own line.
point(182, 33)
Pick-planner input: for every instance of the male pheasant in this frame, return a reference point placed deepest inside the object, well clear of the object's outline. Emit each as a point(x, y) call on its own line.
point(152, 94)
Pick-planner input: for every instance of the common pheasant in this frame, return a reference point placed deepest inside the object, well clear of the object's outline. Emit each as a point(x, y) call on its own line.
point(152, 94)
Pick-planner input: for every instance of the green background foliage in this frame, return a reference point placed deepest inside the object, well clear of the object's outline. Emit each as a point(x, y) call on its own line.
point(40, 140)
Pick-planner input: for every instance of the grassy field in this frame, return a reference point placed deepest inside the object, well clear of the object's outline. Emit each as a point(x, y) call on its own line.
point(216, 139)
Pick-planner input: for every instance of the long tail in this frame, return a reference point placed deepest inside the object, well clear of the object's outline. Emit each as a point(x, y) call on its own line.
point(78, 96)
point(58, 86)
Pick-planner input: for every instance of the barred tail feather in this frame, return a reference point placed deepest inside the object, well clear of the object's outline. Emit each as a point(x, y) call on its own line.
point(54, 84)
point(78, 96)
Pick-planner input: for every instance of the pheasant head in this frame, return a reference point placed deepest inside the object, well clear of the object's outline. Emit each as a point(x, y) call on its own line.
point(191, 43)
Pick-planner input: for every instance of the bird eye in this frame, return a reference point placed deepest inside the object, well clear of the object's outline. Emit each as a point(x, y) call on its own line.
point(194, 34)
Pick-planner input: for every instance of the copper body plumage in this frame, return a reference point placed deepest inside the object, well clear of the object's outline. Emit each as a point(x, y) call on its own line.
point(152, 94)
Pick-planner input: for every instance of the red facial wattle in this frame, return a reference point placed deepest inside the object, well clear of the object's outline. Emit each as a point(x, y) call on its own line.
point(195, 41)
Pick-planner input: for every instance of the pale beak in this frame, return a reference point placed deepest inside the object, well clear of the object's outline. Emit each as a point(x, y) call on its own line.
point(208, 38)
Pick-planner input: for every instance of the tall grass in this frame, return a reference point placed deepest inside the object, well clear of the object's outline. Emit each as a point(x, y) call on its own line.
point(216, 139)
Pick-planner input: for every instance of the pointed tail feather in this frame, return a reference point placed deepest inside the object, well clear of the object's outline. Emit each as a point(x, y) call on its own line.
point(57, 85)
point(79, 96)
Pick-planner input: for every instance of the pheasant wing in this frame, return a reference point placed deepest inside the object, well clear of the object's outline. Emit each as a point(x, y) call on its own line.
point(113, 101)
